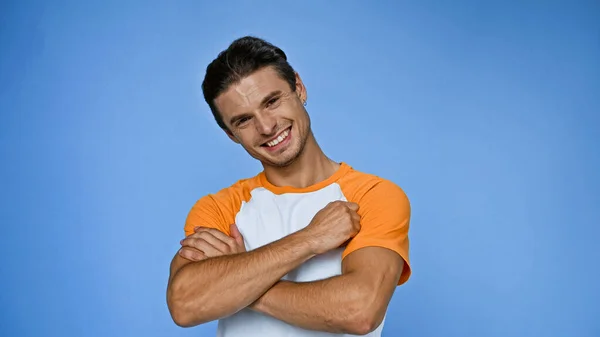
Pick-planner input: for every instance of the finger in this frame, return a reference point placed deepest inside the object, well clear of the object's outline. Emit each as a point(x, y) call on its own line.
point(192, 254)
point(236, 235)
point(198, 229)
point(235, 240)
point(218, 239)
point(215, 232)
point(201, 244)
point(352, 205)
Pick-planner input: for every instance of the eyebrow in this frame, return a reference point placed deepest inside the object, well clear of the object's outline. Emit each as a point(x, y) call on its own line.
point(269, 97)
point(236, 118)
point(264, 102)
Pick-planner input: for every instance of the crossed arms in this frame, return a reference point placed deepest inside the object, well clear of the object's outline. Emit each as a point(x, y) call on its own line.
point(354, 302)
point(216, 285)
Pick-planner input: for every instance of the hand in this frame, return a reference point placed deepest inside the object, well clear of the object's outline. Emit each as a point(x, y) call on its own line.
point(335, 224)
point(209, 242)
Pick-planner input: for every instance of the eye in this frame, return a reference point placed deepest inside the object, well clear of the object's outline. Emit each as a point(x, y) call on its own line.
point(272, 101)
point(242, 120)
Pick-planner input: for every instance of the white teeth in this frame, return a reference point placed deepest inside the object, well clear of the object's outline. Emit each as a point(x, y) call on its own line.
point(279, 139)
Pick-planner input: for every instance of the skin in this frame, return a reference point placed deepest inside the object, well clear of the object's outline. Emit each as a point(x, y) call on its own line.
point(254, 114)
point(212, 276)
point(204, 290)
point(353, 303)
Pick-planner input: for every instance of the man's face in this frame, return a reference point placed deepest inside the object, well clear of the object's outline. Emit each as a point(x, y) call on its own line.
point(266, 117)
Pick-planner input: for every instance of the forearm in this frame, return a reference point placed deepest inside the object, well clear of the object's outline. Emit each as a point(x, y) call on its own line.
point(337, 305)
point(218, 287)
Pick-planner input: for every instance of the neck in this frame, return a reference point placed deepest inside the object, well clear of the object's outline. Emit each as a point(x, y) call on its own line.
point(311, 167)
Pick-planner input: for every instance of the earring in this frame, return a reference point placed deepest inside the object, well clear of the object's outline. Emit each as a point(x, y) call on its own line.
point(304, 103)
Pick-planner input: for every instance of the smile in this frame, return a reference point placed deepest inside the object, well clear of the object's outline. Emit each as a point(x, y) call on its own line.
point(279, 139)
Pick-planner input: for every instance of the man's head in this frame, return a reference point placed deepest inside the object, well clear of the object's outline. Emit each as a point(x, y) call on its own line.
point(257, 98)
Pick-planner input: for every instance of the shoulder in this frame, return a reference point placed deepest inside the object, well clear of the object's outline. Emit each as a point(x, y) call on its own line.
point(219, 209)
point(385, 213)
point(234, 194)
point(361, 187)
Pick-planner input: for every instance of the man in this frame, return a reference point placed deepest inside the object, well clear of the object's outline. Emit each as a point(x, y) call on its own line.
point(309, 246)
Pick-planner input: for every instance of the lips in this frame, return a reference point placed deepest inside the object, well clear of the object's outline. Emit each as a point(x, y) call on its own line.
point(278, 139)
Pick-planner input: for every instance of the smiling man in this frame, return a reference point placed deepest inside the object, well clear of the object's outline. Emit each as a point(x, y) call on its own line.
point(307, 247)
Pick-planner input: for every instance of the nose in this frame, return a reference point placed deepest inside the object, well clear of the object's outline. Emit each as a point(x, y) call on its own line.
point(265, 124)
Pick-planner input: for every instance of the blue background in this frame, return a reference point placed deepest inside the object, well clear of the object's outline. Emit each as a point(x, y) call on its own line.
point(486, 113)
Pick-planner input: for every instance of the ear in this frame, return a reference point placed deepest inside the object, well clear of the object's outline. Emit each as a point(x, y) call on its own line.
point(231, 136)
point(301, 89)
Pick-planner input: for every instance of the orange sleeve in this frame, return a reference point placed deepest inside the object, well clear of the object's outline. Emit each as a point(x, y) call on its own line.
point(206, 213)
point(384, 211)
point(218, 210)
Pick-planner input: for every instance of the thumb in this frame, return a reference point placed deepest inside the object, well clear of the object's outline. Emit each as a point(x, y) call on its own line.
point(353, 206)
point(235, 233)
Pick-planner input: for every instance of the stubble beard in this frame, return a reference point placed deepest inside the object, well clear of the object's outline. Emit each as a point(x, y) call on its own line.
point(289, 161)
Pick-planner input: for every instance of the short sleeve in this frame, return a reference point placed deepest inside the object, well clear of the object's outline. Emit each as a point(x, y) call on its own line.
point(206, 213)
point(384, 210)
point(218, 210)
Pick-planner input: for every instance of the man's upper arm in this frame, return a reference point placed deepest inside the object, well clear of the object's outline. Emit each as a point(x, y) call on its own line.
point(382, 243)
point(206, 213)
point(376, 270)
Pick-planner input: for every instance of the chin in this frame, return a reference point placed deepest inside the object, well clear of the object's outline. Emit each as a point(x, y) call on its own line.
point(283, 159)
point(282, 163)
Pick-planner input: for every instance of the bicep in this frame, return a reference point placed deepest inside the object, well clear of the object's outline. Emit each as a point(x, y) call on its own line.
point(377, 266)
point(210, 211)
point(376, 271)
point(205, 213)
point(385, 220)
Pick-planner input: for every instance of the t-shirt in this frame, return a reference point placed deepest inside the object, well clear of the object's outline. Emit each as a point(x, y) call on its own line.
point(265, 213)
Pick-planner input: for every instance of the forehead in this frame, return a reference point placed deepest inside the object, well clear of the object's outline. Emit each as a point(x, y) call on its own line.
point(247, 94)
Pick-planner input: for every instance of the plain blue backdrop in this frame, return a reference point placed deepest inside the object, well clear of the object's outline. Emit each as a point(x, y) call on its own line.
point(485, 113)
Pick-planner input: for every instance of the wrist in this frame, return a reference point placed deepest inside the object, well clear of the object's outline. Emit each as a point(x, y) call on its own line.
point(259, 304)
point(256, 305)
point(308, 242)
point(270, 296)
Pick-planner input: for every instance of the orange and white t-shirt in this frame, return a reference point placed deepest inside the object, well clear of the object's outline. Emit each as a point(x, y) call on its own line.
point(265, 213)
